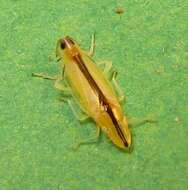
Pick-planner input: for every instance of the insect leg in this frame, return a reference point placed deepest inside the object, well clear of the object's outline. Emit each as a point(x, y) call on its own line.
point(140, 121)
point(60, 86)
point(121, 96)
point(89, 140)
point(46, 76)
point(58, 82)
point(78, 113)
point(107, 67)
point(43, 76)
point(92, 46)
point(112, 75)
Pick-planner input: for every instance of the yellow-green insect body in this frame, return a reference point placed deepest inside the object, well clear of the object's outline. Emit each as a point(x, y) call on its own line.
point(93, 92)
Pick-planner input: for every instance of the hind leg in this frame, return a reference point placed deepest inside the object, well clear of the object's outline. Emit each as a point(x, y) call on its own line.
point(90, 140)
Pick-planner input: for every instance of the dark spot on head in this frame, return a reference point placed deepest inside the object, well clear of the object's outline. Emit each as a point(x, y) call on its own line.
point(63, 44)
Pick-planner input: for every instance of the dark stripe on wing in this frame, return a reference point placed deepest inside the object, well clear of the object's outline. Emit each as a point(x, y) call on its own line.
point(102, 99)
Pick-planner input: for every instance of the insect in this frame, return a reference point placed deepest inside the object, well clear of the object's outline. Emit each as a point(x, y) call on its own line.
point(94, 90)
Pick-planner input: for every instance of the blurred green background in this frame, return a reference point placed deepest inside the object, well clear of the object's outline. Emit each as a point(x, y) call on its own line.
point(148, 45)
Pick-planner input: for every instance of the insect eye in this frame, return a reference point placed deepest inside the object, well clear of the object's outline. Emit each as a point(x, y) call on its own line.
point(63, 45)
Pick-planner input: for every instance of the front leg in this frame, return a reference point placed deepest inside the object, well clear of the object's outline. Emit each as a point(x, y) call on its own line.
point(44, 76)
point(58, 82)
point(92, 46)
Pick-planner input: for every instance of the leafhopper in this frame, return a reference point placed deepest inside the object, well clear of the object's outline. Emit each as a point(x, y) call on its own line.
point(94, 90)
